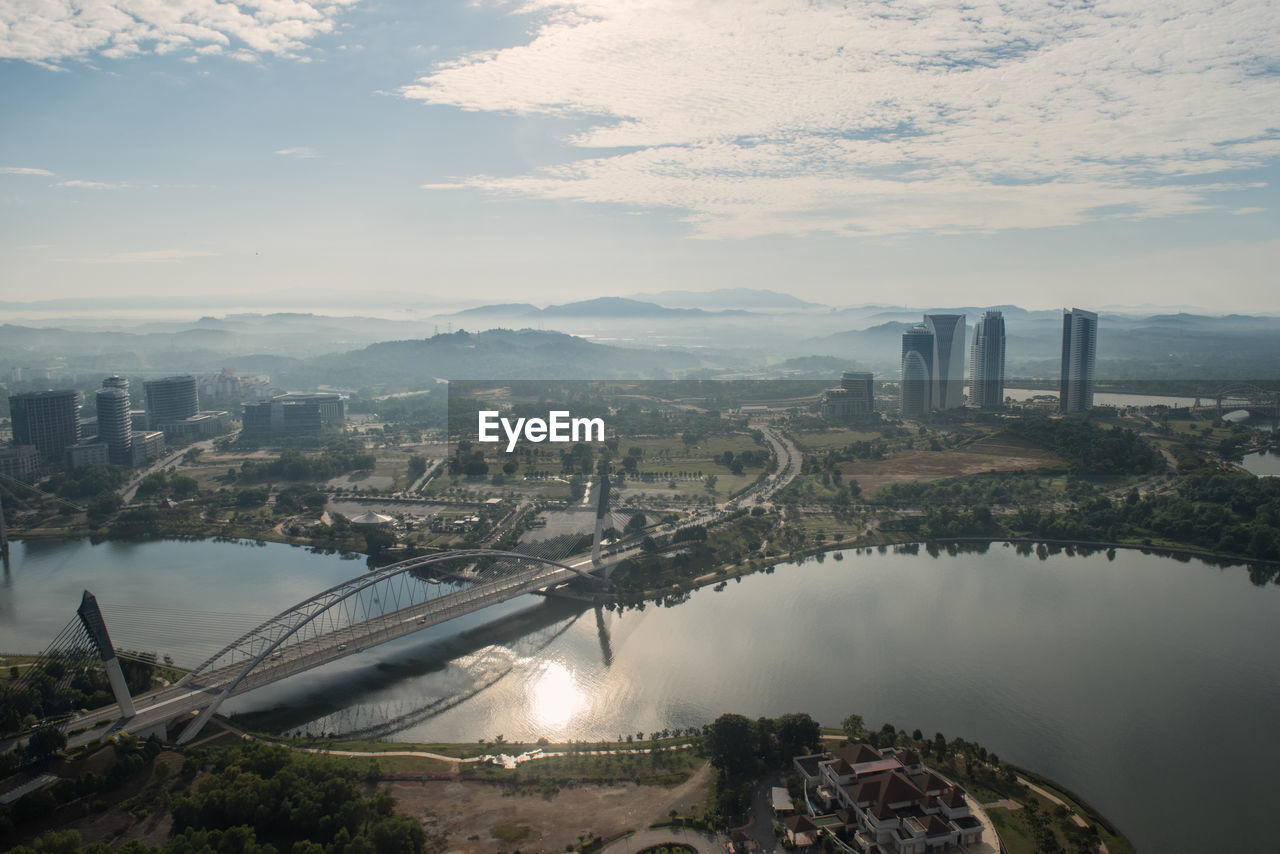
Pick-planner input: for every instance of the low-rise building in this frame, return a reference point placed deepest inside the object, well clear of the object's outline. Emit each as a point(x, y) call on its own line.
point(19, 462)
point(147, 445)
point(88, 452)
point(202, 425)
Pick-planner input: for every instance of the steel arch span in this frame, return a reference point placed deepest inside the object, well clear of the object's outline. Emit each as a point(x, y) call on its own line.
point(373, 608)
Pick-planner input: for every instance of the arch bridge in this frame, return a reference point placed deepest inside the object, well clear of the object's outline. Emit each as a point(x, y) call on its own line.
point(1253, 398)
point(378, 606)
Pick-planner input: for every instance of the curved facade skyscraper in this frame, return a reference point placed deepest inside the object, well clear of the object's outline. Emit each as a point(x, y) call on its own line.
point(917, 372)
point(1079, 355)
point(986, 362)
point(948, 359)
point(115, 428)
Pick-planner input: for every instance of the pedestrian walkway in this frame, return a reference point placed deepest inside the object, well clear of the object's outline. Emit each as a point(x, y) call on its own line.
point(1050, 796)
point(1003, 803)
point(700, 842)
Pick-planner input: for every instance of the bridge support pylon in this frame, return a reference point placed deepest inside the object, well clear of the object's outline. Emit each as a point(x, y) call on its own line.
point(602, 511)
point(96, 626)
point(4, 540)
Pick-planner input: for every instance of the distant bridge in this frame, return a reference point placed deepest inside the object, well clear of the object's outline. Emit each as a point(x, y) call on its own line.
point(1251, 398)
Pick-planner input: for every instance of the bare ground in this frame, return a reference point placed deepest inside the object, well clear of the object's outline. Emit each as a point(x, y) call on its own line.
point(479, 817)
point(998, 453)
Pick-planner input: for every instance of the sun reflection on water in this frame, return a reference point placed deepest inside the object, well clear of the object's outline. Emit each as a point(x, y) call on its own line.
point(555, 696)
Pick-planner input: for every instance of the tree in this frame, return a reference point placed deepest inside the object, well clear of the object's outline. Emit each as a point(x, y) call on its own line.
point(45, 742)
point(853, 726)
point(103, 505)
point(798, 734)
point(731, 744)
point(377, 540)
point(417, 467)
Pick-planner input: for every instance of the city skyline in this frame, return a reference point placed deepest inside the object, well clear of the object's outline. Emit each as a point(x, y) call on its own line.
point(540, 151)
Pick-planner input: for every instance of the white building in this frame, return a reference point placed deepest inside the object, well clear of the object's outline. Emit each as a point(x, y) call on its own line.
point(888, 800)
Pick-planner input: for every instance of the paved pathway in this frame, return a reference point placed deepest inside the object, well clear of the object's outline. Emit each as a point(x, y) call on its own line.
point(1003, 803)
point(503, 759)
point(1050, 796)
point(700, 842)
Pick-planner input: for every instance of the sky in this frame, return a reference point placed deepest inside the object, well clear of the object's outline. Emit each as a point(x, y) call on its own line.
point(1107, 153)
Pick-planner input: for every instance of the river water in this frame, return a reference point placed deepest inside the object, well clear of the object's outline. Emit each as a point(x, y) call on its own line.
point(1262, 463)
point(1148, 685)
point(1102, 398)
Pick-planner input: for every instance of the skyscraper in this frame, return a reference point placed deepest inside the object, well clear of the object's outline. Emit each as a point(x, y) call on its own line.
point(115, 427)
point(855, 397)
point(986, 362)
point(1079, 354)
point(917, 371)
point(50, 420)
point(170, 399)
point(948, 359)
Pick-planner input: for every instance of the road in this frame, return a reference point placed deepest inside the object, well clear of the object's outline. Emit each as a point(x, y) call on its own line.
point(170, 460)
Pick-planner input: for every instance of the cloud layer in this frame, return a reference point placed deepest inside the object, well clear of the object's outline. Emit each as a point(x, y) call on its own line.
point(757, 117)
point(48, 31)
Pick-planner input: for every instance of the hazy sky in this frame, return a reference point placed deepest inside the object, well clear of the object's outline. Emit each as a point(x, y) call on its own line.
point(1118, 152)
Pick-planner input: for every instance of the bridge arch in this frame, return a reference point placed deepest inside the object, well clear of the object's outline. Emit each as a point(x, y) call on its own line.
point(306, 631)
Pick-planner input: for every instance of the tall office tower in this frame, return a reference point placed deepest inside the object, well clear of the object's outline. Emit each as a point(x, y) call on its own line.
point(115, 426)
point(50, 420)
point(1079, 354)
point(170, 399)
point(861, 388)
point(917, 371)
point(948, 359)
point(855, 397)
point(986, 362)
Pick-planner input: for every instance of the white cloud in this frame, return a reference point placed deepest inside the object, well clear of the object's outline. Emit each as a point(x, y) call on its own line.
point(24, 170)
point(77, 184)
point(301, 152)
point(48, 31)
point(151, 256)
point(756, 117)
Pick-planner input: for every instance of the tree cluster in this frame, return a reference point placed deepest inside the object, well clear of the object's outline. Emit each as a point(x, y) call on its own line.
point(294, 465)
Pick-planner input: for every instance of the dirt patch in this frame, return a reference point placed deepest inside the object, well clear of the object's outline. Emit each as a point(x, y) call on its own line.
point(478, 817)
point(996, 453)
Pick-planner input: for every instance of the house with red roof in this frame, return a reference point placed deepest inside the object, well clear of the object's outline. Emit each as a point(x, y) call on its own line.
point(887, 801)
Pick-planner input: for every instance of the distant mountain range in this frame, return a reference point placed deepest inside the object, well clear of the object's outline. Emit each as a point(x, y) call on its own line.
point(722, 298)
point(608, 308)
point(612, 337)
point(495, 354)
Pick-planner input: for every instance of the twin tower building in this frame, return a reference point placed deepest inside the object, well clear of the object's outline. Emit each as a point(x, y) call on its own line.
point(933, 361)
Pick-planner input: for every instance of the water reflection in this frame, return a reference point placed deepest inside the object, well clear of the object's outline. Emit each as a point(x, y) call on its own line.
point(602, 632)
point(402, 686)
point(555, 697)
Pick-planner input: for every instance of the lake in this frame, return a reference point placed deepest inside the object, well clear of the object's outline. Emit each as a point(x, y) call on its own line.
point(1262, 463)
point(1140, 682)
